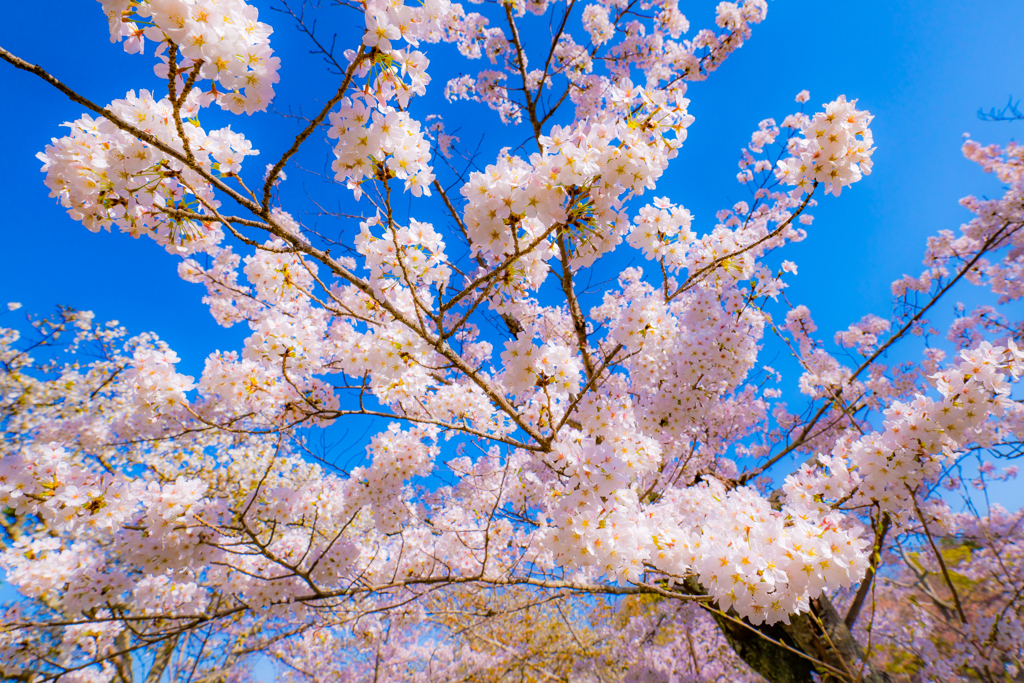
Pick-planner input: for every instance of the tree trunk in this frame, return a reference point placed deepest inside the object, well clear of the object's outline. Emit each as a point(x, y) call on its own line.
point(790, 653)
point(776, 664)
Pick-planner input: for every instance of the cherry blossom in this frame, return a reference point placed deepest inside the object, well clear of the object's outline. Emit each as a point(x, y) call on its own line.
point(566, 376)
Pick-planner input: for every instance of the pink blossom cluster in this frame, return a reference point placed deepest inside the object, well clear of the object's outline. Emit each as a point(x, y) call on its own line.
point(764, 563)
point(221, 40)
point(887, 468)
point(278, 276)
point(374, 138)
point(396, 457)
point(598, 24)
point(106, 177)
point(835, 149)
point(487, 87)
point(663, 233)
point(157, 385)
point(388, 21)
point(404, 255)
point(226, 297)
point(863, 335)
point(532, 371)
point(596, 515)
point(45, 481)
point(579, 180)
point(379, 141)
point(41, 481)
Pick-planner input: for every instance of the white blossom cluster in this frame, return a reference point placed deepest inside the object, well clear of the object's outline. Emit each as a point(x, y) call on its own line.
point(222, 39)
point(887, 468)
point(106, 177)
point(835, 149)
point(379, 142)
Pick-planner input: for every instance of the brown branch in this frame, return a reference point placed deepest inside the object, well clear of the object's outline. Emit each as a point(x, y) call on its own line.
point(128, 128)
point(869, 577)
point(313, 124)
point(938, 556)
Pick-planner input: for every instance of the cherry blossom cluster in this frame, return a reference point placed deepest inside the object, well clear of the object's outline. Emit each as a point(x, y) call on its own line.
point(105, 176)
point(379, 142)
point(596, 516)
point(227, 299)
point(413, 255)
point(44, 481)
point(388, 21)
point(158, 386)
point(730, 251)
point(220, 40)
point(663, 233)
point(128, 524)
point(863, 335)
point(488, 87)
point(606, 437)
point(658, 53)
point(444, 141)
point(598, 24)
point(887, 468)
point(764, 563)
point(835, 149)
point(40, 481)
point(278, 276)
point(396, 457)
point(375, 140)
point(492, 216)
point(970, 329)
point(528, 367)
point(577, 183)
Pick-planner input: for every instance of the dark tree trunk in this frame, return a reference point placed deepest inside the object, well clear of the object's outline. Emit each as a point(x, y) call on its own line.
point(790, 653)
point(775, 663)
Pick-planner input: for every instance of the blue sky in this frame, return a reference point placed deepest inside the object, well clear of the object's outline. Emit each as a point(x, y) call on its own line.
point(922, 68)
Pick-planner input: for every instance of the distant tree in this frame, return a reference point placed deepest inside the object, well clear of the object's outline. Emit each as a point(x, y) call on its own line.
point(1008, 113)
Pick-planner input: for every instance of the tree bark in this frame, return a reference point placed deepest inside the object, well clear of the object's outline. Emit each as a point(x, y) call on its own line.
point(815, 638)
point(776, 664)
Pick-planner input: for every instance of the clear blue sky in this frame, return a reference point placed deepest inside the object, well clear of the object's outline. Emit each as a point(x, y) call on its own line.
point(923, 69)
